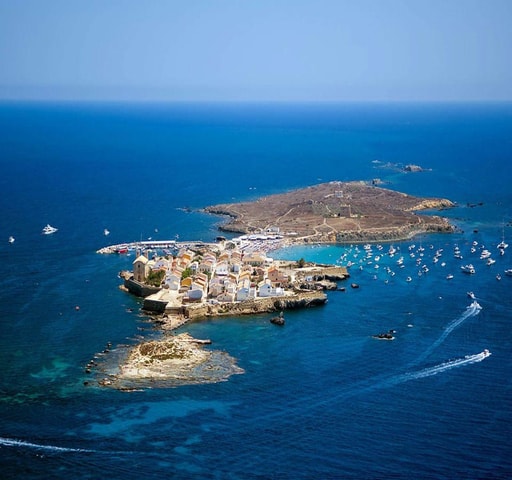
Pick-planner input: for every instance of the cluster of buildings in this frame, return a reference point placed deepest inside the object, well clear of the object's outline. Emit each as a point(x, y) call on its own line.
point(227, 275)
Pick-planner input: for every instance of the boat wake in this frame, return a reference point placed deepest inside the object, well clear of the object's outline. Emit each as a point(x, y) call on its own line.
point(443, 367)
point(11, 442)
point(472, 310)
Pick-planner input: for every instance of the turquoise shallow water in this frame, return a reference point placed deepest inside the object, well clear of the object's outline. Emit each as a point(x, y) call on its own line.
point(319, 397)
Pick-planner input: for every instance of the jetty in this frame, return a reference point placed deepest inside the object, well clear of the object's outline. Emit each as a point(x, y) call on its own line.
point(154, 245)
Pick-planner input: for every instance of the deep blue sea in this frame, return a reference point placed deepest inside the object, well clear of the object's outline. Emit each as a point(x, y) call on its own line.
point(320, 398)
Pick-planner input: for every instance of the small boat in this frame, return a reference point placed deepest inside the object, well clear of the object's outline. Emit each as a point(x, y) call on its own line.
point(498, 277)
point(11, 239)
point(449, 276)
point(468, 268)
point(474, 304)
point(48, 230)
point(508, 272)
point(106, 232)
point(471, 295)
point(490, 261)
point(408, 279)
point(486, 353)
point(385, 336)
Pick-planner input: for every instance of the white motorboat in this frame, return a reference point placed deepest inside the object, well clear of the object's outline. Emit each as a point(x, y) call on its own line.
point(48, 230)
point(469, 268)
point(508, 272)
point(106, 232)
point(486, 353)
point(449, 276)
point(475, 305)
point(11, 239)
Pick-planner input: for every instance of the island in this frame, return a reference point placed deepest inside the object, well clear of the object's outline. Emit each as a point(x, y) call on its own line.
point(336, 212)
point(173, 361)
point(238, 276)
point(184, 281)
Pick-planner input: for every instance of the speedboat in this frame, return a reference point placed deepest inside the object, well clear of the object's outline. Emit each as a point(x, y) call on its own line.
point(48, 230)
point(474, 304)
point(471, 295)
point(486, 353)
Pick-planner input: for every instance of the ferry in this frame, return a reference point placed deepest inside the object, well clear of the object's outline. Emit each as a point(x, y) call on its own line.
point(48, 230)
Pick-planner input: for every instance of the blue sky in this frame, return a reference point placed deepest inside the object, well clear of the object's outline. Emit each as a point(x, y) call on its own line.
point(256, 50)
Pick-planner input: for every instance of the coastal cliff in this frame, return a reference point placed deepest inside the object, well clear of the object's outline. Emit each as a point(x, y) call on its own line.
point(259, 305)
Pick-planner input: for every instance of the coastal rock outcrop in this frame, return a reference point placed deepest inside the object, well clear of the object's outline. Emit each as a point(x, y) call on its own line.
point(172, 361)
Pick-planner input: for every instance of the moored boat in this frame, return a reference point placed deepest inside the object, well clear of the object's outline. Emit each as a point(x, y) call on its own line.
point(469, 268)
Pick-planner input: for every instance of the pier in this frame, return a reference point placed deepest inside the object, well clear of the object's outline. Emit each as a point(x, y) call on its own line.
point(154, 244)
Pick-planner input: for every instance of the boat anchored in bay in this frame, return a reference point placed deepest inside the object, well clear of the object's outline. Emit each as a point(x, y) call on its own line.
point(48, 230)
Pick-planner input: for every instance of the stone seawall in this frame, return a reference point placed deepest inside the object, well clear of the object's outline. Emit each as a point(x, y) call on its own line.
point(139, 289)
point(260, 305)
